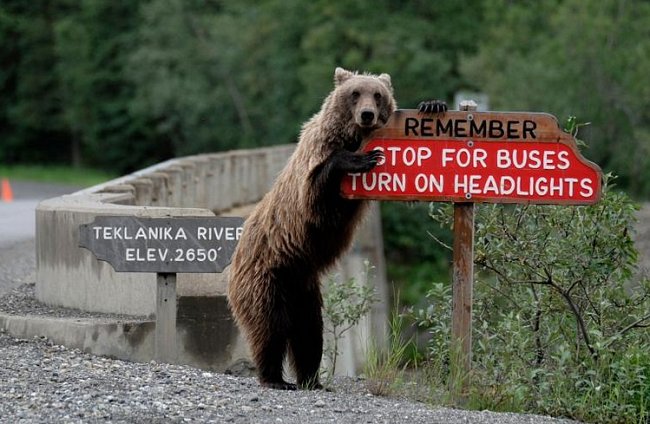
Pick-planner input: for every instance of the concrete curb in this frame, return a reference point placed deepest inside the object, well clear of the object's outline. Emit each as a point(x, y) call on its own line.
point(128, 340)
point(206, 345)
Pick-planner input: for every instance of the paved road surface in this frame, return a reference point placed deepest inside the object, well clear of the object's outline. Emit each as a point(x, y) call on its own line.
point(16, 222)
point(17, 262)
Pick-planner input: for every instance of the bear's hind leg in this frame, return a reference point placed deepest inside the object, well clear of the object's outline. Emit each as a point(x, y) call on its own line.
point(269, 350)
point(306, 340)
point(269, 364)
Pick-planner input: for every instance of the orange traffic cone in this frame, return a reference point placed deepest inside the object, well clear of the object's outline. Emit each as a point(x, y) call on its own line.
point(5, 191)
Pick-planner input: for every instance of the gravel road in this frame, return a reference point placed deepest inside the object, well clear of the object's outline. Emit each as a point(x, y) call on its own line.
point(42, 383)
point(45, 383)
point(17, 265)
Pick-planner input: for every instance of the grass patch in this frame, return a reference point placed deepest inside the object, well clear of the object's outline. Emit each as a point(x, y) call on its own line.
point(82, 177)
point(385, 367)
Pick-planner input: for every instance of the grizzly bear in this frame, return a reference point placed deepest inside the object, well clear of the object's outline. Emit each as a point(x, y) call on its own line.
point(299, 229)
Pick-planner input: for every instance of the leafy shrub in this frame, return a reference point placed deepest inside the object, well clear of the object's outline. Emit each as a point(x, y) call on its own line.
point(345, 303)
point(560, 311)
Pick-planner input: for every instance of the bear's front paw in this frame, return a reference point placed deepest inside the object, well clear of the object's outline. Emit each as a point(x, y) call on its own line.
point(432, 106)
point(362, 162)
point(370, 160)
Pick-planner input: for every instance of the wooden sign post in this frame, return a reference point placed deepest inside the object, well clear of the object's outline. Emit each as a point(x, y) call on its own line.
point(165, 246)
point(462, 293)
point(166, 303)
point(466, 157)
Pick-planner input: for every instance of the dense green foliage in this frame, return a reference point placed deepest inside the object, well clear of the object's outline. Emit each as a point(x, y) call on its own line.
point(561, 315)
point(120, 84)
point(574, 57)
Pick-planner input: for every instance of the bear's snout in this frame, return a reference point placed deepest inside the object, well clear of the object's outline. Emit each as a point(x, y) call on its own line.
point(367, 117)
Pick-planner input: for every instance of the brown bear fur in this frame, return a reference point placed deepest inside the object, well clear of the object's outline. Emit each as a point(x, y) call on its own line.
point(300, 228)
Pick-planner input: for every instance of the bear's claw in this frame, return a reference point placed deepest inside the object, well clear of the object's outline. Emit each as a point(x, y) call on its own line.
point(375, 155)
point(432, 106)
point(370, 160)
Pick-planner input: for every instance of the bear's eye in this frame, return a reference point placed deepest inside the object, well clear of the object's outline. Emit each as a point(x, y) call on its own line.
point(355, 95)
point(377, 96)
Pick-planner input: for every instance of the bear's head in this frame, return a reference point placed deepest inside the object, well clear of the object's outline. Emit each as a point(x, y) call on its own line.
point(364, 101)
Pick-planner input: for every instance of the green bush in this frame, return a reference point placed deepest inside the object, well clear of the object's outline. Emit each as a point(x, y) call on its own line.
point(345, 303)
point(560, 311)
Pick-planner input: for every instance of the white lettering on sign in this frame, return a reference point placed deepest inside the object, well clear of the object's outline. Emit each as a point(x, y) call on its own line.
point(429, 183)
point(151, 254)
point(408, 156)
point(142, 233)
point(166, 233)
point(464, 157)
point(509, 171)
point(506, 185)
point(474, 184)
point(382, 181)
point(219, 233)
point(533, 159)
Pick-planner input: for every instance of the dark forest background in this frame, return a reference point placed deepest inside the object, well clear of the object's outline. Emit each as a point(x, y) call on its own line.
point(120, 84)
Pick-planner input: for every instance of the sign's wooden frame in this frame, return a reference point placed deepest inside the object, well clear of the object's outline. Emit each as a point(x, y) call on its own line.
point(461, 128)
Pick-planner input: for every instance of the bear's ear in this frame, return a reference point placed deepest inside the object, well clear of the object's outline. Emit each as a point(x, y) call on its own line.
point(341, 75)
point(385, 78)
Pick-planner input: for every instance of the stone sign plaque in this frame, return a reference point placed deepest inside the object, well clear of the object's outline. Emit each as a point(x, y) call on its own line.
point(163, 245)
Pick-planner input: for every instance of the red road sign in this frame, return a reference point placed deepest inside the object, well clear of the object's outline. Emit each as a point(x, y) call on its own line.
point(497, 157)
